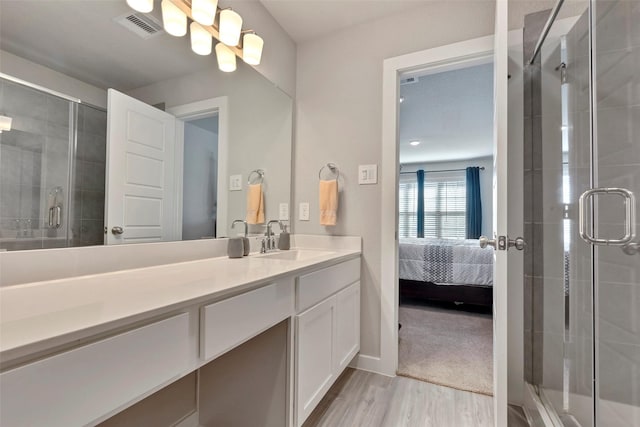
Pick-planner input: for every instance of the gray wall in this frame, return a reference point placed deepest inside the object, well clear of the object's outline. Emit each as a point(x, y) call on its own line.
point(31, 72)
point(486, 183)
point(338, 114)
point(260, 123)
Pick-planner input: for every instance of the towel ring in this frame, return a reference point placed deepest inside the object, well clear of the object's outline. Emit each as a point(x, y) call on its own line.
point(332, 167)
point(260, 174)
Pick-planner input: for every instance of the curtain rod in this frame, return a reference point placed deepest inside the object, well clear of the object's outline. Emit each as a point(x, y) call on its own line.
point(444, 170)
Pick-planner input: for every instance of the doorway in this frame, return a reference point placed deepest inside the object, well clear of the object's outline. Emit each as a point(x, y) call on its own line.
point(201, 143)
point(445, 203)
point(200, 161)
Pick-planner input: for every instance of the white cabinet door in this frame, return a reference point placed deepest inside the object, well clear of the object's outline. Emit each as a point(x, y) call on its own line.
point(347, 333)
point(140, 188)
point(315, 366)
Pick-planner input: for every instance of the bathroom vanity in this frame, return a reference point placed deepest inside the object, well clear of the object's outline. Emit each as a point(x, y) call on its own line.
point(78, 350)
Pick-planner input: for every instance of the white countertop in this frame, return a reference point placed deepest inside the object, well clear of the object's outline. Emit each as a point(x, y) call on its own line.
point(42, 315)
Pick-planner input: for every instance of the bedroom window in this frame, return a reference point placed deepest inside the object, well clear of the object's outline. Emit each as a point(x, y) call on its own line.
point(408, 206)
point(444, 206)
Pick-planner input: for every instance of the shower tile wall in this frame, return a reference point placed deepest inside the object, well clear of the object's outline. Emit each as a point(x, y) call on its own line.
point(34, 162)
point(533, 266)
point(89, 196)
point(617, 61)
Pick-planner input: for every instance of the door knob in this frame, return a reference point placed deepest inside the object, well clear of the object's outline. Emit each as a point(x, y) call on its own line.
point(485, 241)
point(517, 243)
point(117, 230)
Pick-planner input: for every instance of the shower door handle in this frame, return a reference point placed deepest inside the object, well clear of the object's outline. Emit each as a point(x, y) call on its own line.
point(629, 217)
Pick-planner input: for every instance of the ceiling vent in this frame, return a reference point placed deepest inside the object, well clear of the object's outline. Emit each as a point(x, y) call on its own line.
point(145, 26)
point(409, 80)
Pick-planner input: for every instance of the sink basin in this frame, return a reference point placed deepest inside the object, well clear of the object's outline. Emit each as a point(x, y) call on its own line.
point(296, 254)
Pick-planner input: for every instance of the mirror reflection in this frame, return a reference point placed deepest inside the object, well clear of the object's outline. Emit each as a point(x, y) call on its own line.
point(117, 138)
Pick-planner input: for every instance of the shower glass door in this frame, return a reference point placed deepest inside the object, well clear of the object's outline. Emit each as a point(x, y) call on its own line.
point(562, 291)
point(616, 115)
point(586, 293)
point(35, 160)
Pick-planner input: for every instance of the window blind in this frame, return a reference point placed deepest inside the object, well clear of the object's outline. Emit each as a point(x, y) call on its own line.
point(407, 206)
point(444, 206)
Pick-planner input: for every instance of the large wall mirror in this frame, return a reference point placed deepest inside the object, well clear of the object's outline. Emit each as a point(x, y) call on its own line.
point(121, 136)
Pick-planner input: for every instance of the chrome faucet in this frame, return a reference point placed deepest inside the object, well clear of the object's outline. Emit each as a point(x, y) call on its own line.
point(269, 240)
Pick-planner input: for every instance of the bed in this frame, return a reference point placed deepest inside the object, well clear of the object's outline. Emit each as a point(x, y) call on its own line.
point(446, 270)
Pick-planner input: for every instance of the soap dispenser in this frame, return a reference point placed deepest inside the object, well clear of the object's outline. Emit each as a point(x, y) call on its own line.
point(284, 240)
point(245, 238)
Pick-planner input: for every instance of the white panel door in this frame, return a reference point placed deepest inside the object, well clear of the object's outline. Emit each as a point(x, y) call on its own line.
point(347, 334)
point(500, 209)
point(314, 357)
point(140, 190)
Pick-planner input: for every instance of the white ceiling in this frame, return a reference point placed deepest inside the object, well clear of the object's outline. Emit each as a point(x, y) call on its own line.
point(450, 113)
point(309, 19)
point(80, 39)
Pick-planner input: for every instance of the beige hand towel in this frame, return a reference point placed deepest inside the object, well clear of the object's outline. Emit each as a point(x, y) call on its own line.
point(328, 202)
point(255, 204)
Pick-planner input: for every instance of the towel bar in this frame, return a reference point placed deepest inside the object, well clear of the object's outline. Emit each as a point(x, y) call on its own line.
point(332, 167)
point(260, 173)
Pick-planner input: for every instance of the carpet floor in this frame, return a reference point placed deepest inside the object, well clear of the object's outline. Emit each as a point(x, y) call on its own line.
point(448, 346)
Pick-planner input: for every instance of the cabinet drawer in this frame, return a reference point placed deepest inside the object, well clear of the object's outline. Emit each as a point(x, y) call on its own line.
point(316, 286)
point(230, 322)
point(84, 384)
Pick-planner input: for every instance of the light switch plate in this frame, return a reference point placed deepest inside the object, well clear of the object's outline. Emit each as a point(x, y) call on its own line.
point(368, 174)
point(235, 183)
point(284, 212)
point(304, 211)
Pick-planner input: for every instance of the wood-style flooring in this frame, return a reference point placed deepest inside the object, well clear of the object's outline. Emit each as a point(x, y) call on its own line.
point(361, 398)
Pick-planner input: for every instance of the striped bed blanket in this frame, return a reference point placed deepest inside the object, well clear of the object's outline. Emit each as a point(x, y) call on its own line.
point(446, 261)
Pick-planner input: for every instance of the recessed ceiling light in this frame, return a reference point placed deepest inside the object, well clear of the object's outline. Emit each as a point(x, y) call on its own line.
point(414, 143)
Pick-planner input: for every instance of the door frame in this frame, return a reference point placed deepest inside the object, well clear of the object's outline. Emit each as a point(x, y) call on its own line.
point(440, 57)
point(199, 110)
point(443, 58)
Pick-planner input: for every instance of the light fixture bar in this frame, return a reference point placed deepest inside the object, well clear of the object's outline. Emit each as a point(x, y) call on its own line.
point(185, 7)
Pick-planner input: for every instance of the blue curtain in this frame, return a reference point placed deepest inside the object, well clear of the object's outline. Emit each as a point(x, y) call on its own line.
point(420, 213)
point(474, 204)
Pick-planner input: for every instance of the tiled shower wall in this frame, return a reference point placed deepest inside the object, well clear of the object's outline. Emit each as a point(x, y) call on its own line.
point(533, 235)
point(88, 225)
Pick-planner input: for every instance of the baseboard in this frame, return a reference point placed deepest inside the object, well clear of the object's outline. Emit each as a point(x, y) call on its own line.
point(370, 364)
point(192, 420)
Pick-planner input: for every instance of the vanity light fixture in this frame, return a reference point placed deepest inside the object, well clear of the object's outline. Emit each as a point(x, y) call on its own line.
point(227, 29)
point(226, 58)
point(201, 40)
point(143, 6)
point(414, 143)
point(252, 48)
point(175, 21)
point(230, 27)
point(204, 11)
point(5, 123)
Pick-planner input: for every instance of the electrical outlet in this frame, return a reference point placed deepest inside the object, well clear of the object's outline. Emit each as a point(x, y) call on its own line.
point(284, 212)
point(235, 183)
point(304, 211)
point(368, 174)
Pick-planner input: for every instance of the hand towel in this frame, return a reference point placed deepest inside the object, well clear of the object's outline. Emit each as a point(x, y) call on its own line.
point(328, 202)
point(255, 204)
